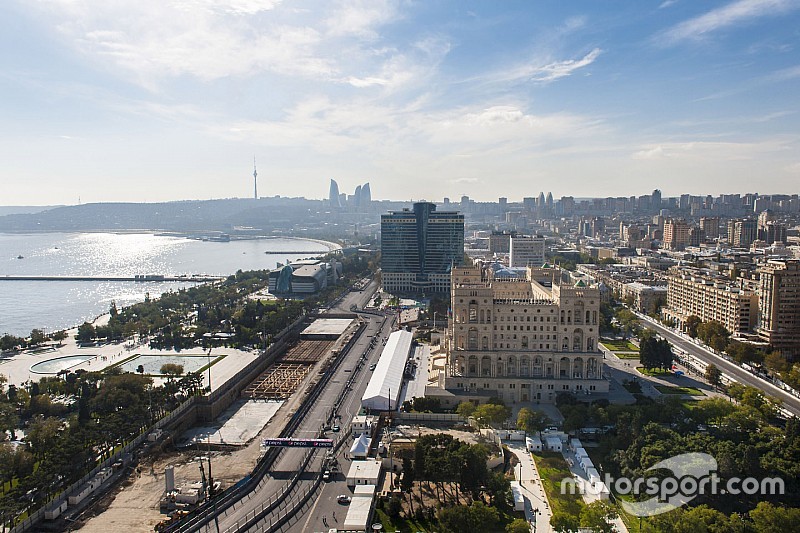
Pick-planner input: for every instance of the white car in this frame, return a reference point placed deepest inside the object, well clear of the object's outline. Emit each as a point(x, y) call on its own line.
point(344, 499)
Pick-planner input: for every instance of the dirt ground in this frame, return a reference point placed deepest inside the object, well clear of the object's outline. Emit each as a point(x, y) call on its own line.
point(133, 506)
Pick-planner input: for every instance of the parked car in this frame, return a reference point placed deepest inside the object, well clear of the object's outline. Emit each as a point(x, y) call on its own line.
point(344, 499)
point(336, 428)
point(326, 475)
point(372, 366)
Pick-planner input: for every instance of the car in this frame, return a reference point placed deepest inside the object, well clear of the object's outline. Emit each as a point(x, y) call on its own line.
point(326, 475)
point(344, 499)
point(372, 366)
point(336, 428)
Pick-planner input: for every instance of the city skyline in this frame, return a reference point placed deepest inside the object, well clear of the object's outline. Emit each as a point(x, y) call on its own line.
point(167, 101)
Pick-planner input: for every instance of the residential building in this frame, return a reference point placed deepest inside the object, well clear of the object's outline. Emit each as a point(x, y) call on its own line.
point(676, 234)
point(742, 233)
point(710, 227)
point(418, 248)
point(526, 251)
point(644, 298)
point(710, 296)
point(779, 306)
point(521, 340)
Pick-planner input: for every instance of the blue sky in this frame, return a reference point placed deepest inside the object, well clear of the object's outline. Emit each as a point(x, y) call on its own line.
point(156, 100)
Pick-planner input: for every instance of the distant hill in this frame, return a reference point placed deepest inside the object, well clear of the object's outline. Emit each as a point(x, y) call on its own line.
point(185, 216)
point(24, 209)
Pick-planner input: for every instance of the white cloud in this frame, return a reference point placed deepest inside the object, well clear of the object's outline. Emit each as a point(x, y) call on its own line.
point(540, 71)
point(706, 151)
point(153, 40)
point(738, 12)
point(361, 18)
point(560, 69)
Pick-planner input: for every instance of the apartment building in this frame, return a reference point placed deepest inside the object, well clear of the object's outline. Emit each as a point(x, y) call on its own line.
point(779, 306)
point(676, 234)
point(709, 296)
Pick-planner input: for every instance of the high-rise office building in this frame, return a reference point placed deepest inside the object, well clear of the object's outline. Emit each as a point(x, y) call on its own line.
point(418, 248)
point(333, 194)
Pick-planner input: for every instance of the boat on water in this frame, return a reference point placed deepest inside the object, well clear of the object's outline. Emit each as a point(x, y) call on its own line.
point(20, 257)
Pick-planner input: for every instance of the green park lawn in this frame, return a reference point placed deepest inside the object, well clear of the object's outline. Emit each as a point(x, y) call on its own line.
point(403, 524)
point(616, 345)
point(552, 469)
point(667, 389)
point(655, 372)
point(627, 355)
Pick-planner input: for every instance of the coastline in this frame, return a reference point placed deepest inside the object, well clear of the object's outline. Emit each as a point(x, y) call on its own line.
point(333, 246)
point(64, 306)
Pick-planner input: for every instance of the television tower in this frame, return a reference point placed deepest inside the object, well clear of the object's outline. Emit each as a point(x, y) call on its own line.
point(255, 179)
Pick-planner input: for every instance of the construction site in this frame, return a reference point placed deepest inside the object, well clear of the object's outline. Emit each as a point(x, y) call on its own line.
point(178, 473)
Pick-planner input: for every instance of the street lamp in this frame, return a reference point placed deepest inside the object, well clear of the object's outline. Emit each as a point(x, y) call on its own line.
point(434, 319)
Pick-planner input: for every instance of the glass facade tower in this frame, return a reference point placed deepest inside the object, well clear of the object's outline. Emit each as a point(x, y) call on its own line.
point(418, 248)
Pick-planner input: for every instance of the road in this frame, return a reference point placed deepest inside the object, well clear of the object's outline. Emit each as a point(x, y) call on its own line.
point(790, 403)
point(241, 517)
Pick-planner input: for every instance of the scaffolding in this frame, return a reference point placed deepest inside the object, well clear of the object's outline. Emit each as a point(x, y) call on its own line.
point(277, 382)
point(306, 352)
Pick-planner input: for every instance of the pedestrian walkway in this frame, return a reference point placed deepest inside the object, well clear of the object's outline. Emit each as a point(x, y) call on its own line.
point(537, 508)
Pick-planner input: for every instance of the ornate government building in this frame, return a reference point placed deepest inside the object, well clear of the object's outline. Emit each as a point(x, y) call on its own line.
point(522, 340)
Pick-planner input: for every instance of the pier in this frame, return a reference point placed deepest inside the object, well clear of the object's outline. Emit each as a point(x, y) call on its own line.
point(145, 277)
point(297, 252)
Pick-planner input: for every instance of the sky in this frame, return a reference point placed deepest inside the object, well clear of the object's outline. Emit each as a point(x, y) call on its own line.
point(158, 100)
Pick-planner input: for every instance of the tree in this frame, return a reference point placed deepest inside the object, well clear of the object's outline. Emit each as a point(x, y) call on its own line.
point(714, 334)
point(454, 519)
point(86, 333)
point(465, 409)
point(598, 516)
point(776, 362)
point(37, 337)
point(171, 370)
point(482, 517)
point(692, 321)
point(518, 525)
point(9, 420)
point(655, 352)
point(629, 323)
point(564, 522)
point(713, 375)
point(59, 336)
point(768, 517)
point(531, 421)
point(743, 352)
point(488, 413)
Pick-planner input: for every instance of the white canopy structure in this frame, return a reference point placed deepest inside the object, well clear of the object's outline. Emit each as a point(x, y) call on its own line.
point(387, 379)
point(360, 447)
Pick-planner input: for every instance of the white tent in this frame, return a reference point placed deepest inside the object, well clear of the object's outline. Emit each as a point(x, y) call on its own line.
point(534, 444)
point(387, 379)
point(360, 447)
point(519, 498)
point(554, 444)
